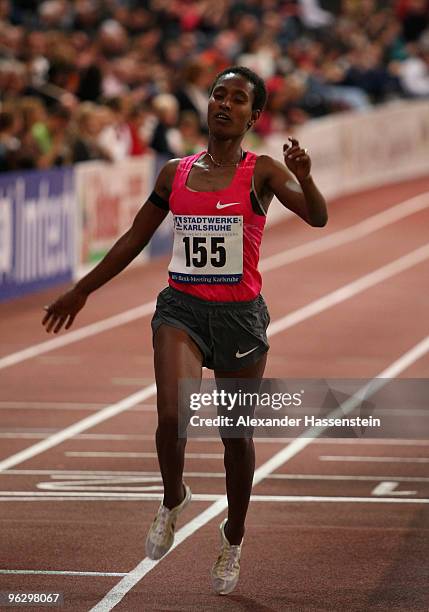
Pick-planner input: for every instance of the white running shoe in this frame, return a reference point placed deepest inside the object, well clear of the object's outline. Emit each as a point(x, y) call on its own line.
point(160, 536)
point(226, 570)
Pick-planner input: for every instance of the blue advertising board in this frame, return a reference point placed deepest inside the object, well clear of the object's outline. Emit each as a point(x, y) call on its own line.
point(38, 217)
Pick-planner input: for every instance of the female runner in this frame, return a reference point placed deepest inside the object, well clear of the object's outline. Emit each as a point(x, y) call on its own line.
point(211, 314)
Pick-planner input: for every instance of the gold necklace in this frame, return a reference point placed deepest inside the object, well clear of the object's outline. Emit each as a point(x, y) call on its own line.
point(221, 164)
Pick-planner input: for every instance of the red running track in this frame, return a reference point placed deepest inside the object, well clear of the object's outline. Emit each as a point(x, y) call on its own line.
point(320, 534)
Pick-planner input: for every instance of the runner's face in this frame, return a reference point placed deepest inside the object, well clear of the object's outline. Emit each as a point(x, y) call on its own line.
point(230, 107)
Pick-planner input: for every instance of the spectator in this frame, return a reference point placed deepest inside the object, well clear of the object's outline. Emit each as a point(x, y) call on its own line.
point(414, 15)
point(261, 56)
point(112, 39)
point(32, 110)
point(9, 144)
point(87, 16)
point(320, 56)
point(137, 118)
point(54, 14)
point(191, 136)
point(84, 138)
point(313, 16)
point(166, 139)
point(414, 71)
point(192, 94)
point(368, 73)
point(5, 10)
point(115, 135)
point(50, 136)
point(13, 79)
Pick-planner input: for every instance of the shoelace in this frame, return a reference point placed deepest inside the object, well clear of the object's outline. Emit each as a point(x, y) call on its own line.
point(228, 559)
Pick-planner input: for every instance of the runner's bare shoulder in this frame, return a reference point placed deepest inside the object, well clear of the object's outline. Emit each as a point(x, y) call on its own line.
point(164, 182)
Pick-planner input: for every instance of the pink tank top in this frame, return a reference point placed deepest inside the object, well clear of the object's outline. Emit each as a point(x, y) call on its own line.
point(217, 236)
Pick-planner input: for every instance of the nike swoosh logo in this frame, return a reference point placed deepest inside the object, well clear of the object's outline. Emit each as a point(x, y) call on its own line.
point(219, 205)
point(240, 355)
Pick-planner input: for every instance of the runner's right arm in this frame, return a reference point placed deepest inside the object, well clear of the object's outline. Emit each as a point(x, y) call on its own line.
point(148, 219)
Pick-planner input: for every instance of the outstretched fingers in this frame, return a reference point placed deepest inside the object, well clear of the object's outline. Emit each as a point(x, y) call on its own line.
point(70, 321)
point(294, 151)
point(47, 315)
point(53, 321)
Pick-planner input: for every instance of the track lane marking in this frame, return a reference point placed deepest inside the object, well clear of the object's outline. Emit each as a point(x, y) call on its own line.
point(388, 487)
point(279, 440)
point(298, 316)
point(350, 289)
point(374, 459)
point(79, 334)
point(126, 454)
point(202, 497)
point(61, 475)
point(339, 238)
point(342, 237)
point(341, 477)
point(59, 573)
point(65, 406)
point(118, 592)
point(78, 427)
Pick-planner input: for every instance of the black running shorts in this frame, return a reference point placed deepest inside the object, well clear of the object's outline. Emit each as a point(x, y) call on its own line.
point(230, 335)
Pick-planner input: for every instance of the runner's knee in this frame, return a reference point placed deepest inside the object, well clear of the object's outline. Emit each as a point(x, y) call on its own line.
point(237, 445)
point(168, 421)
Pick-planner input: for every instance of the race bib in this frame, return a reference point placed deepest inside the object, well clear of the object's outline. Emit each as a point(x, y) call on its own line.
point(207, 249)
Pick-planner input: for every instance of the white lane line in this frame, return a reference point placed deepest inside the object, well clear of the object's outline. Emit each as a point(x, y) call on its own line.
point(406, 412)
point(76, 428)
point(375, 459)
point(24, 436)
point(118, 592)
point(135, 476)
point(41, 436)
point(279, 441)
point(372, 224)
point(276, 327)
point(351, 289)
point(91, 487)
point(388, 487)
point(144, 455)
point(374, 442)
point(343, 477)
point(343, 499)
point(202, 497)
point(78, 334)
point(30, 405)
point(51, 406)
point(341, 237)
point(59, 573)
point(78, 474)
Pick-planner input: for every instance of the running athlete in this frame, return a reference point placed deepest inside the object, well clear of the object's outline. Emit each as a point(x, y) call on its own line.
point(211, 314)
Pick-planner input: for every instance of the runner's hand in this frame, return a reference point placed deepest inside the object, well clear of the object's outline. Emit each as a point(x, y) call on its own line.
point(297, 160)
point(63, 310)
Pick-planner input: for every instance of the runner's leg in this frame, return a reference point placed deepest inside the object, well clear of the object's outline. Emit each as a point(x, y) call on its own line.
point(176, 356)
point(239, 461)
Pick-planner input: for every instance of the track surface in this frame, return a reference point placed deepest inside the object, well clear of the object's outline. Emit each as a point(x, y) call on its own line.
point(323, 531)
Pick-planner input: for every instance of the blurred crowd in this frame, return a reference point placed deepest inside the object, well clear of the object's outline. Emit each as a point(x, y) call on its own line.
point(89, 79)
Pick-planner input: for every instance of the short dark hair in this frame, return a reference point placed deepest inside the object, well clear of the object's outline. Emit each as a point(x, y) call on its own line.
point(60, 111)
point(259, 89)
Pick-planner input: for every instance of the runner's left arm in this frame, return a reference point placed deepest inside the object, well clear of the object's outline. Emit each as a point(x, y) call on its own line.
point(63, 311)
point(293, 184)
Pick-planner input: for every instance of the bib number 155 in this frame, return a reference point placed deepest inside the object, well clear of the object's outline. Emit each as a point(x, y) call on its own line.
point(198, 250)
